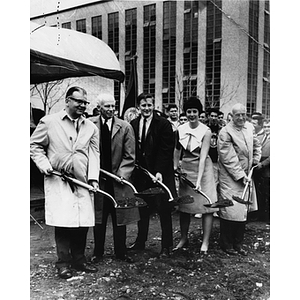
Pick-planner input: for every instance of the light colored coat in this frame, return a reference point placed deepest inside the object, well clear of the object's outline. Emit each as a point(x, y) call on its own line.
point(238, 149)
point(123, 163)
point(55, 143)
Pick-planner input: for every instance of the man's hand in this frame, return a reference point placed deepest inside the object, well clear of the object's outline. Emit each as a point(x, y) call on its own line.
point(198, 185)
point(94, 184)
point(246, 179)
point(47, 171)
point(158, 177)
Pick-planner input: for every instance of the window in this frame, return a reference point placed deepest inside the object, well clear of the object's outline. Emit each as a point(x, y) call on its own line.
point(266, 62)
point(97, 26)
point(149, 48)
point(81, 25)
point(66, 25)
point(252, 56)
point(169, 52)
point(130, 40)
point(190, 48)
point(113, 43)
point(213, 54)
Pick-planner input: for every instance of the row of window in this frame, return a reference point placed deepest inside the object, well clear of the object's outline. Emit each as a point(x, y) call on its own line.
point(188, 75)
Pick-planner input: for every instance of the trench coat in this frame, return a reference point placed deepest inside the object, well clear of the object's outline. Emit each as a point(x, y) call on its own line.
point(55, 143)
point(238, 150)
point(123, 162)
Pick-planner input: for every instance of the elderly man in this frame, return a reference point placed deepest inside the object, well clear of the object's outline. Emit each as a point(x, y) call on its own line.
point(238, 149)
point(155, 142)
point(66, 141)
point(117, 145)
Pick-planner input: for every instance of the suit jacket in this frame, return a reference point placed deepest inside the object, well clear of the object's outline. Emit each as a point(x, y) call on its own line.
point(123, 162)
point(159, 149)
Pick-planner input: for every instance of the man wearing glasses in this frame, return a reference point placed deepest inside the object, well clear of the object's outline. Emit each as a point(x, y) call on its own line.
point(67, 141)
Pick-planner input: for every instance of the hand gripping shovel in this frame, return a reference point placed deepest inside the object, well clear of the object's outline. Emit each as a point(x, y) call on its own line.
point(71, 180)
point(217, 204)
point(176, 200)
point(241, 200)
point(127, 202)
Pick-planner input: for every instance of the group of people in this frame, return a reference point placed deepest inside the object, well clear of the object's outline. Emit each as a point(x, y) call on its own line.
point(216, 159)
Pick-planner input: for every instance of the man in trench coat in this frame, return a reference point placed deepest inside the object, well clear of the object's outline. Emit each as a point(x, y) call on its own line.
point(66, 141)
point(117, 146)
point(154, 151)
point(239, 149)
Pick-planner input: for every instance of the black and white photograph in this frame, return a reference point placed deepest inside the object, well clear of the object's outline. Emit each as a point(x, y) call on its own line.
point(150, 126)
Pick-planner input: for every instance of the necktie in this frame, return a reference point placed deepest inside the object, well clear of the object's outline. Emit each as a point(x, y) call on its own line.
point(143, 135)
point(76, 125)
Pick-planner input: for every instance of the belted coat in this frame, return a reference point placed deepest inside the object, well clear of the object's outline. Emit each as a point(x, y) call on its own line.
point(56, 143)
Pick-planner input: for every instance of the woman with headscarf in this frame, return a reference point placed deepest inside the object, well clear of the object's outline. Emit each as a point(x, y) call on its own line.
point(194, 142)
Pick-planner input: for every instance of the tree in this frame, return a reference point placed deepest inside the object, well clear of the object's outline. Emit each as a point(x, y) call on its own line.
point(50, 93)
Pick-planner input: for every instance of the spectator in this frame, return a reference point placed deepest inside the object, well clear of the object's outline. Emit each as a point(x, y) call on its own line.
point(173, 116)
point(239, 150)
point(182, 118)
point(66, 141)
point(154, 147)
point(202, 118)
point(262, 176)
point(194, 140)
point(117, 145)
point(222, 122)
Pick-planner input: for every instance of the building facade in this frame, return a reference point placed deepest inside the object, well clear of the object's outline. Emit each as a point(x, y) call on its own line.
point(218, 50)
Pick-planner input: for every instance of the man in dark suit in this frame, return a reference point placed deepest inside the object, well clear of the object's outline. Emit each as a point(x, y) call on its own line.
point(117, 144)
point(154, 152)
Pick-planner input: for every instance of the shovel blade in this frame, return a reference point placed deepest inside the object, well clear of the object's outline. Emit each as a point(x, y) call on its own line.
point(131, 203)
point(240, 200)
point(183, 200)
point(220, 203)
point(150, 192)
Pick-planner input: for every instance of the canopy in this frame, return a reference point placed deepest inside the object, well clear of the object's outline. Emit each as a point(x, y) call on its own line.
point(57, 53)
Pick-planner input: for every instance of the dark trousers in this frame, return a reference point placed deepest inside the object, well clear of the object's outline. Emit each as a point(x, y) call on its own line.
point(262, 185)
point(162, 207)
point(231, 234)
point(119, 232)
point(70, 245)
point(158, 203)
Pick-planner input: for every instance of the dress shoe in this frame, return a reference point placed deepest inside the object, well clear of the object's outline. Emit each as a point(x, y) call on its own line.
point(203, 253)
point(165, 253)
point(242, 252)
point(137, 246)
point(64, 273)
point(230, 251)
point(86, 268)
point(125, 258)
point(96, 259)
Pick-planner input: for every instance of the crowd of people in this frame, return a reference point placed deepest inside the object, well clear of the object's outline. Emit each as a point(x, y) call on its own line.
point(216, 156)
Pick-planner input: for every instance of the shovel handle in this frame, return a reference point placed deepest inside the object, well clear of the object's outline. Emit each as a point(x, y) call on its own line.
point(119, 179)
point(159, 182)
point(248, 182)
point(87, 186)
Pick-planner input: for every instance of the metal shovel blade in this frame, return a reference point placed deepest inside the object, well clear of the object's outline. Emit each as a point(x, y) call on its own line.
point(220, 203)
point(150, 192)
point(240, 200)
point(183, 200)
point(130, 203)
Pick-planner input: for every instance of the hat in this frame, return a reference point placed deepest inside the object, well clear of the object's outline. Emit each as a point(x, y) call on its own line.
point(257, 116)
point(193, 102)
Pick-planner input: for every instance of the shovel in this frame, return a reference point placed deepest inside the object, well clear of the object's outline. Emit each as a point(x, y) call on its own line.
point(241, 200)
point(127, 202)
point(176, 200)
point(69, 179)
point(218, 204)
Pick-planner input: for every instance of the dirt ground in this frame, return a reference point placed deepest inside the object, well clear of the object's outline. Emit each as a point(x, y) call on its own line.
point(185, 275)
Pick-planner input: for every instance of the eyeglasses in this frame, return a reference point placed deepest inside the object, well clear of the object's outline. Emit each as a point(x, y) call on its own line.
point(79, 101)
